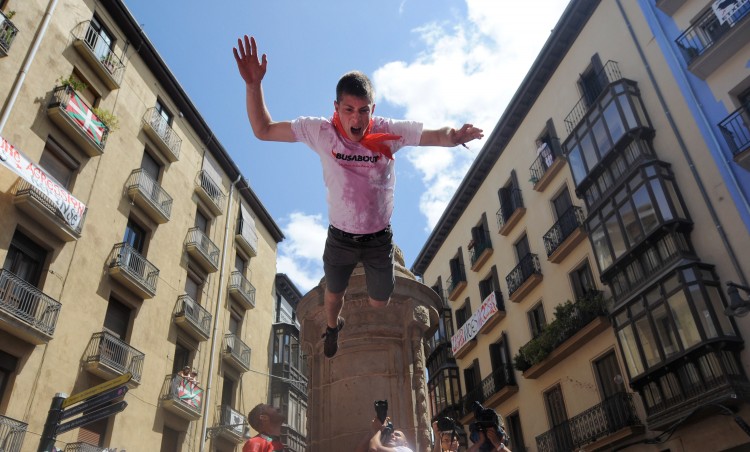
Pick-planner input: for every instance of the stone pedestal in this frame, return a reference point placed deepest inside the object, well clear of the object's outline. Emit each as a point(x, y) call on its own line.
point(381, 356)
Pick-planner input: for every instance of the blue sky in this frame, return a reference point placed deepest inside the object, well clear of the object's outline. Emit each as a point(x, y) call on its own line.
point(442, 62)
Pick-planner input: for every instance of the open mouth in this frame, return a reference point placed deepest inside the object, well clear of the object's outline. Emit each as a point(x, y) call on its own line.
point(356, 131)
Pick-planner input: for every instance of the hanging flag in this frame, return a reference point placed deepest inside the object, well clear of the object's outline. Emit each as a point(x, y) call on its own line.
point(84, 117)
point(70, 209)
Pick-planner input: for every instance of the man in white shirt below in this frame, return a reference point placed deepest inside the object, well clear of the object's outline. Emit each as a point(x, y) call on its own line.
point(356, 151)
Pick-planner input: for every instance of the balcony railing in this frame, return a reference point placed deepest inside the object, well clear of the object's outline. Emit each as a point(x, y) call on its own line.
point(158, 200)
point(528, 266)
point(566, 224)
point(11, 434)
point(499, 379)
point(8, 33)
point(108, 350)
point(608, 74)
point(201, 247)
point(99, 53)
point(479, 247)
point(209, 190)
point(166, 137)
point(83, 447)
point(705, 31)
point(28, 304)
point(507, 208)
point(247, 236)
point(288, 374)
point(601, 420)
point(466, 405)
point(66, 226)
point(736, 130)
point(293, 440)
point(237, 351)
point(132, 269)
point(551, 153)
point(240, 287)
point(182, 396)
point(198, 319)
point(77, 119)
point(229, 424)
point(455, 283)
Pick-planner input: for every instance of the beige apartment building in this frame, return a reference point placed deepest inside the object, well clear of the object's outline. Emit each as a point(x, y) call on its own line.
point(584, 259)
point(129, 241)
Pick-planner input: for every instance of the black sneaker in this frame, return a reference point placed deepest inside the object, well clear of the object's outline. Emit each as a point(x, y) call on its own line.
point(331, 346)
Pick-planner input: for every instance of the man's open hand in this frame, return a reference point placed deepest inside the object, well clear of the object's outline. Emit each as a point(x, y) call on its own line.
point(251, 68)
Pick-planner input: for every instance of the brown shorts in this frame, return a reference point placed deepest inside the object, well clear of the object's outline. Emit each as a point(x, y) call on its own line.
point(342, 253)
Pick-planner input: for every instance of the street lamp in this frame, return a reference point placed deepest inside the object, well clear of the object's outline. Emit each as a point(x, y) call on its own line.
point(738, 306)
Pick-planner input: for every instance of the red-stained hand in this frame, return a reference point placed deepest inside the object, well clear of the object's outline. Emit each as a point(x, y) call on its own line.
point(251, 68)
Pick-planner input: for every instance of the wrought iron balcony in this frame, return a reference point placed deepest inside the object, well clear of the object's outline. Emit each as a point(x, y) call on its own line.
point(293, 440)
point(710, 40)
point(736, 131)
point(209, 191)
point(499, 385)
point(25, 311)
point(11, 434)
point(236, 352)
point(511, 210)
point(147, 194)
point(456, 283)
point(97, 52)
point(241, 290)
point(593, 425)
point(83, 447)
point(202, 249)
point(182, 397)
point(229, 424)
point(524, 276)
point(8, 33)
point(62, 220)
point(466, 405)
point(74, 117)
point(568, 226)
point(480, 252)
point(289, 376)
point(108, 357)
point(608, 74)
point(246, 236)
point(193, 318)
point(165, 138)
point(546, 165)
point(132, 270)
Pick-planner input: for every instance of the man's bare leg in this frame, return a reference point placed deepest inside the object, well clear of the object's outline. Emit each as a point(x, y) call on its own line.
point(378, 303)
point(334, 303)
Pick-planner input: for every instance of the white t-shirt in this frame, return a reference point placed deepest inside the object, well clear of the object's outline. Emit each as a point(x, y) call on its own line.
point(360, 182)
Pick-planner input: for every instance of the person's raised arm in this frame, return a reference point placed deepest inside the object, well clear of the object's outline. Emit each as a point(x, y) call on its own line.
point(448, 136)
point(252, 71)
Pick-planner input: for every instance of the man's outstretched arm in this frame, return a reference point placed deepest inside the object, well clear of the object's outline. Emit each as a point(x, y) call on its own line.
point(448, 136)
point(252, 71)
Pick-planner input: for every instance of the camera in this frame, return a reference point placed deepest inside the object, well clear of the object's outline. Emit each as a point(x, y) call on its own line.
point(486, 419)
point(381, 411)
point(446, 424)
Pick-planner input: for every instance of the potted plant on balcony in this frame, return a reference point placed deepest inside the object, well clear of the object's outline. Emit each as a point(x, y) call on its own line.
point(73, 83)
point(107, 118)
point(108, 61)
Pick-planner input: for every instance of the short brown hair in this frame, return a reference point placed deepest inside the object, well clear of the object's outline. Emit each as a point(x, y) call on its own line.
point(357, 84)
point(253, 417)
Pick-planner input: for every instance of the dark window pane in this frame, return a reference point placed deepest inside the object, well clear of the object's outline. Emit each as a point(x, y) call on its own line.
point(645, 209)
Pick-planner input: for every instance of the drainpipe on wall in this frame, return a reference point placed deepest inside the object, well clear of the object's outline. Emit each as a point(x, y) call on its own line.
point(207, 397)
point(27, 63)
point(683, 147)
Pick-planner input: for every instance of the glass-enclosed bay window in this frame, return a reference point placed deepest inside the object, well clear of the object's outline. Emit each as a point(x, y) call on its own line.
point(682, 311)
point(444, 389)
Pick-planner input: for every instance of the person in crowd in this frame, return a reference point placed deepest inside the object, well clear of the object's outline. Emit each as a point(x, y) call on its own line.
point(267, 421)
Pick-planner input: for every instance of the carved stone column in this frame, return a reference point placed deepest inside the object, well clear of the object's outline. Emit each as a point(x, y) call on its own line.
point(381, 356)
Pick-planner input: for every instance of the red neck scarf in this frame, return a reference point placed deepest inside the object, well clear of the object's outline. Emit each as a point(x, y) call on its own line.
point(372, 141)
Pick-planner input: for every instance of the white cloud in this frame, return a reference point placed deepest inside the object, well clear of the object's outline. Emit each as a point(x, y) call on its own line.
point(301, 253)
point(468, 72)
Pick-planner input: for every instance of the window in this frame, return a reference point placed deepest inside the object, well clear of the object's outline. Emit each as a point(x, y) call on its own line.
point(583, 281)
point(558, 416)
point(490, 284)
point(463, 314)
point(135, 236)
point(88, 94)
point(473, 383)
point(235, 323)
point(163, 112)
point(444, 388)
point(94, 433)
point(117, 319)
point(181, 358)
point(513, 428)
point(480, 238)
point(150, 166)
point(502, 369)
point(99, 39)
point(457, 270)
point(193, 286)
point(522, 248)
point(170, 440)
point(25, 259)
point(201, 221)
point(227, 391)
point(8, 365)
point(240, 264)
point(590, 83)
point(58, 164)
point(537, 321)
point(510, 198)
point(607, 373)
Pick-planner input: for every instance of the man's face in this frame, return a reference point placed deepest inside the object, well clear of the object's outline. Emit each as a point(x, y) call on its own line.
point(355, 114)
point(275, 416)
point(447, 442)
point(397, 438)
